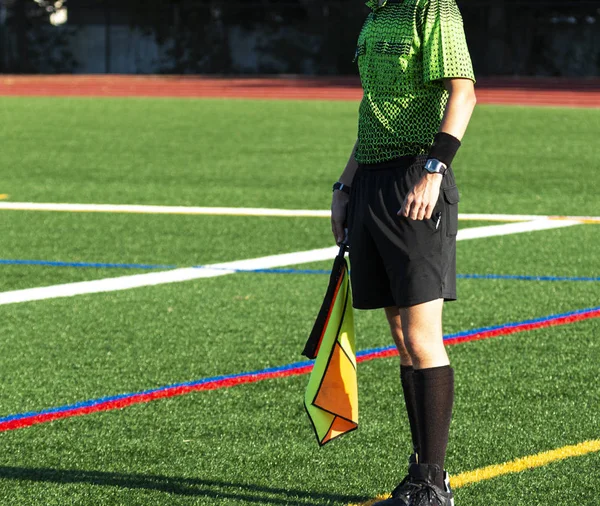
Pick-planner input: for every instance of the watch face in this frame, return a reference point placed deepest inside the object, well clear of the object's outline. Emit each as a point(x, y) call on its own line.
point(435, 167)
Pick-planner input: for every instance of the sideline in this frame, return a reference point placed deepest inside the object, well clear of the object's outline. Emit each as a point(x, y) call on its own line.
point(249, 211)
point(22, 420)
point(223, 269)
point(514, 466)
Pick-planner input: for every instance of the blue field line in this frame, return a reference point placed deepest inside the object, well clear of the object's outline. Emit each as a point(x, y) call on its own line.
point(467, 333)
point(99, 265)
point(287, 271)
point(102, 400)
point(95, 265)
point(520, 277)
point(278, 369)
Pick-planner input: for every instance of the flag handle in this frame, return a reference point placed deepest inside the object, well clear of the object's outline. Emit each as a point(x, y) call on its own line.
point(343, 245)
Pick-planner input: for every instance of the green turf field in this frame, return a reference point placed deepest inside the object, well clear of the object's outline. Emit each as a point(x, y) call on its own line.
point(517, 395)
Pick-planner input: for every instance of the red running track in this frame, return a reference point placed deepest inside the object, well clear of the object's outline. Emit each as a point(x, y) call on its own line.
point(521, 91)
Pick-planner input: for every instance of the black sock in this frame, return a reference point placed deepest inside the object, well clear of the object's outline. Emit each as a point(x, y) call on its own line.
point(408, 387)
point(434, 389)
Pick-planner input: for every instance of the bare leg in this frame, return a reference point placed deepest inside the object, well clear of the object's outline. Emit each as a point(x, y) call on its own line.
point(433, 381)
point(406, 375)
point(423, 337)
point(395, 322)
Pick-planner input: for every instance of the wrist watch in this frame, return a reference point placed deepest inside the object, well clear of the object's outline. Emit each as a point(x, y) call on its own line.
point(341, 187)
point(434, 166)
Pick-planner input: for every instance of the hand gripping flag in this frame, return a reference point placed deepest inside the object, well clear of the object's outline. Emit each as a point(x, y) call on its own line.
point(331, 398)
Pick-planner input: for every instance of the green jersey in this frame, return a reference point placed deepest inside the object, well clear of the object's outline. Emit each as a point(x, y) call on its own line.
point(404, 50)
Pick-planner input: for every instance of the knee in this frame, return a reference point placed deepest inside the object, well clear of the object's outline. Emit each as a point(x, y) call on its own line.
point(405, 356)
point(417, 349)
point(426, 353)
point(398, 336)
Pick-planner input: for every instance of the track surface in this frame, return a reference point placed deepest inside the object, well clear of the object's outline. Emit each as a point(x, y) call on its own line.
point(524, 91)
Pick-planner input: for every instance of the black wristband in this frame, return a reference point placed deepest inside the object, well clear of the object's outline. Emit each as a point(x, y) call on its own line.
point(444, 148)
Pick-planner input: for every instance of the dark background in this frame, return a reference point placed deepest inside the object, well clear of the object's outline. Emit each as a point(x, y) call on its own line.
point(314, 37)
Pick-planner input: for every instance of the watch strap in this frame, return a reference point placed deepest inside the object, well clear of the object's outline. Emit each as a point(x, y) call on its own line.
point(434, 166)
point(341, 187)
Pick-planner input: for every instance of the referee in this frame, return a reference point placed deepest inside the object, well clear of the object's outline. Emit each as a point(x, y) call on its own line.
point(398, 199)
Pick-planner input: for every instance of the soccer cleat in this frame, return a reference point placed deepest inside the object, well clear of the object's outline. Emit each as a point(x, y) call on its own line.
point(447, 487)
point(426, 493)
point(402, 494)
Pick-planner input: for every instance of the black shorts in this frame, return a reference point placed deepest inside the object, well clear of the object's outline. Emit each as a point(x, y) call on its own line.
point(396, 261)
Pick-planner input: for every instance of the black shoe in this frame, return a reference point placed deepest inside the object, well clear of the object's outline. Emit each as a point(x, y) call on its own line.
point(402, 494)
point(423, 478)
point(448, 488)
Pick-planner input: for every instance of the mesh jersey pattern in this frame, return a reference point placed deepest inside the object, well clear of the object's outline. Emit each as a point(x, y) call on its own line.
point(405, 47)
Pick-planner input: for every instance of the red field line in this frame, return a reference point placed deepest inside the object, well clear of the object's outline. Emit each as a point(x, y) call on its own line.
point(524, 91)
point(22, 420)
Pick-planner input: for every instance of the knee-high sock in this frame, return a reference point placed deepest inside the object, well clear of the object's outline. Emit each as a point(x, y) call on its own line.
point(408, 388)
point(434, 389)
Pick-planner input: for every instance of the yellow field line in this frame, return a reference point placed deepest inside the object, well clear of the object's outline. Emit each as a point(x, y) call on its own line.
point(522, 464)
point(515, 466)
point(580, 219)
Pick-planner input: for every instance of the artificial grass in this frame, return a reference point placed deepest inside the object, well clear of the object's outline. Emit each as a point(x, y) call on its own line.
point(561, 252)
point(547, 485)
point(190, 152)
point(156, 239)
point(104, 344)
point(179, 241)
point(252, 445)
point(273, 153)
point(19, 277)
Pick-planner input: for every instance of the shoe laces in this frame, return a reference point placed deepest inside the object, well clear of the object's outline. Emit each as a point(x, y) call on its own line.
point(428, 492)
point(406, 485)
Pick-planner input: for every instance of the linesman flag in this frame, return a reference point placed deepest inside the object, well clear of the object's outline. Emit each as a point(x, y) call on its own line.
point(331, 398)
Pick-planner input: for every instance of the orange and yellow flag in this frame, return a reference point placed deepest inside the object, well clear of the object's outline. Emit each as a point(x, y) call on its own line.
point(331, 397)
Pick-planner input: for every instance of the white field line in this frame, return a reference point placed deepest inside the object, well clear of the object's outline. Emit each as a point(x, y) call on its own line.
point(222, 269)
point(245, 211)
point(526, 217)
point(159, 278)
point(142, 209)
point(513, 228)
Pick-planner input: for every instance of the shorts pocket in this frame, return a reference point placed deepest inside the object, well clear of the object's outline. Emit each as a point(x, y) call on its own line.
point(451, 198)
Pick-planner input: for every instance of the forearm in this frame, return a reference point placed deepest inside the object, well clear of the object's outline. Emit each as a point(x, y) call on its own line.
point(421, 200)
point(347, 175)
point(339, 200)
point(459, 109)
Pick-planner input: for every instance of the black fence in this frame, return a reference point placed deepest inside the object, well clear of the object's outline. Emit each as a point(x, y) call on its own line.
point(525, 38)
